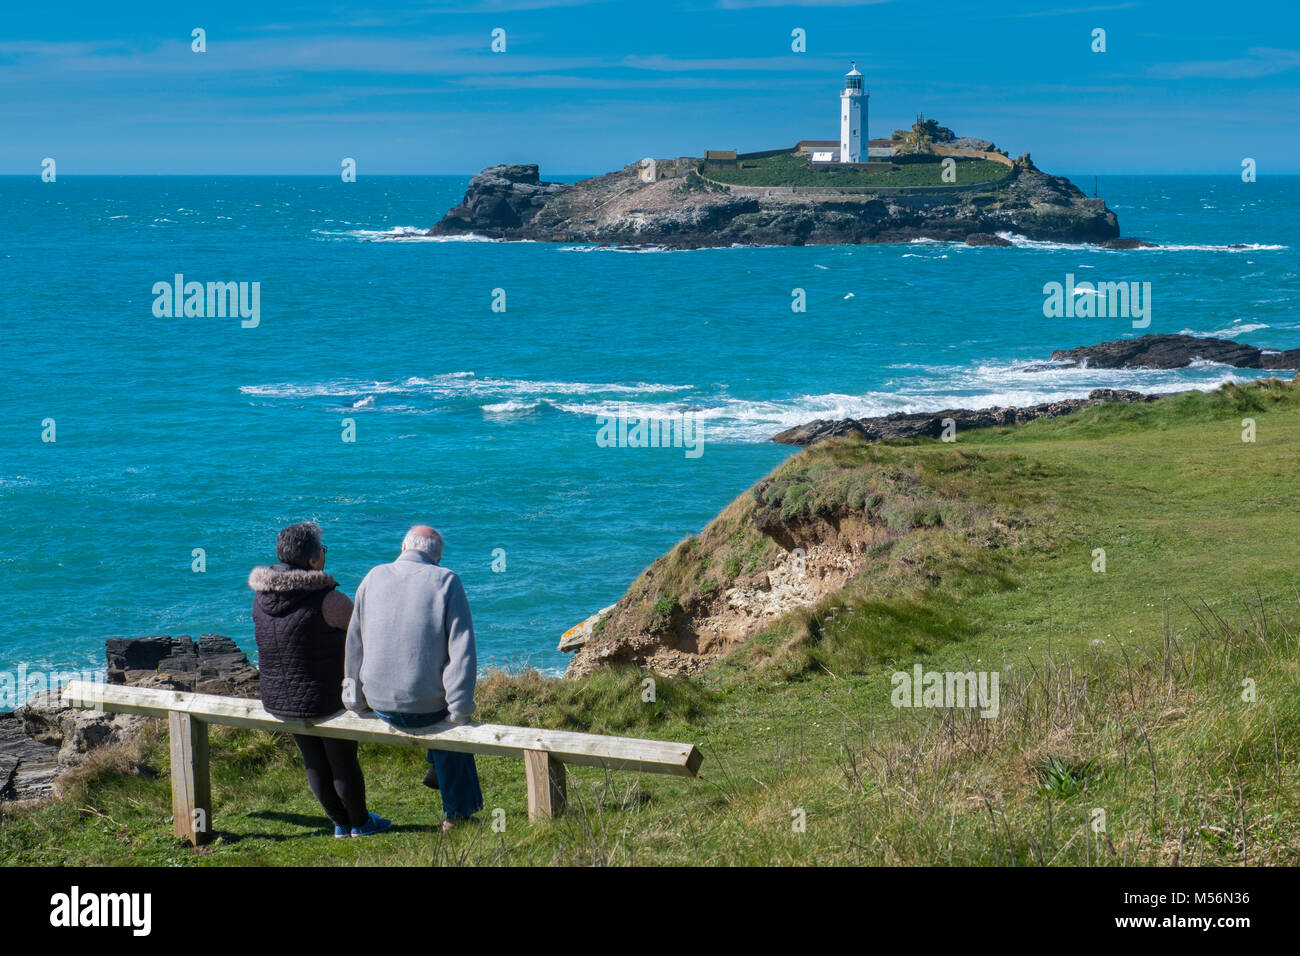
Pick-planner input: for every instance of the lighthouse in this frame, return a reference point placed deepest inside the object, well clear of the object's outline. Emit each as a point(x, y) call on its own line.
point(853, 117)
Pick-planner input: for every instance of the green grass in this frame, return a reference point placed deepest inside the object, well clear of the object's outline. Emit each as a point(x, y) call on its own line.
point(791, 169)
point(1122, 693)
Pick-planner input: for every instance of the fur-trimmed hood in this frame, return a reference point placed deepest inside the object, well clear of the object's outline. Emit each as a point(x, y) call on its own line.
point(281, 579)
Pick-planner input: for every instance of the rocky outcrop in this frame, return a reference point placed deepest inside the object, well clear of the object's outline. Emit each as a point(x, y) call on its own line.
point(43, 736)
point(580, 634)
point(28, 767)
point(1177, 351)
point(679, 209)
point(985, 239)
point(500, 199)
point(931, 424)
point(1148, 351)
point(71, 732)
point(1128, 243)
point(213, 664)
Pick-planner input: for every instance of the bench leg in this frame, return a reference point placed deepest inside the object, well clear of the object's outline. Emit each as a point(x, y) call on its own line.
point(191, 789)
point(547, 790)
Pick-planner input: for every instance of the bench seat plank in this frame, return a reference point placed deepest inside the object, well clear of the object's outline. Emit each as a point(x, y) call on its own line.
point(595, 750)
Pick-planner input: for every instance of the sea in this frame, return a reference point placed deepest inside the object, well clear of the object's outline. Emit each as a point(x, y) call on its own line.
point(148, 458)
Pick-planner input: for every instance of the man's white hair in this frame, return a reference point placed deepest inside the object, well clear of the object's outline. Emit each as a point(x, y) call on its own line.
point(430, 544)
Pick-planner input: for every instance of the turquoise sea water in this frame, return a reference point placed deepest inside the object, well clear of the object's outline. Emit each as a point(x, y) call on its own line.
point(183, 433)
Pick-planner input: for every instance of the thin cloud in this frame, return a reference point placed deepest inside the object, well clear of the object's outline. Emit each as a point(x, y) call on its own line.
point(570, 82)
point(323, 54)
point(1259, 61)
point(1070, 11)
point(510, 6)
point(751, 4)
point(667, 64)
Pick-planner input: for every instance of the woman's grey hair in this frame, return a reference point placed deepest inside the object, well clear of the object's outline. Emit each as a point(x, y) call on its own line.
point(429, 544)
point(298, 544)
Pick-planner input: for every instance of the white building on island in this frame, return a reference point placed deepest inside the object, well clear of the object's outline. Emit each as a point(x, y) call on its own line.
point(853, 145)
point(853, 117)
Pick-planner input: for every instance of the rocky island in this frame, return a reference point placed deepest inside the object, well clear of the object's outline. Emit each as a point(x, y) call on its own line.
point(924, 182)
point(681, 209)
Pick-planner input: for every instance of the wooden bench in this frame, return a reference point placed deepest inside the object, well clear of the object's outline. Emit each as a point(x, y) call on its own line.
point(545, 752)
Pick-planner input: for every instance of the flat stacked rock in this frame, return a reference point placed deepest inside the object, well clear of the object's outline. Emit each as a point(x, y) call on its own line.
point(212, 665)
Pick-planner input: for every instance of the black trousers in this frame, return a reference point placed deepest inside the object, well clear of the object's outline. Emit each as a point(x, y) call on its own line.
point(334, 775)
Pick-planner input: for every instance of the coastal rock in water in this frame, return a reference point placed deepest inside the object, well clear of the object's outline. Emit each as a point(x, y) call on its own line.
point(677, 208)
point(930, 424)
point(986, 239)
point(1176, 351)
point(1128, 243)
point(500, 199)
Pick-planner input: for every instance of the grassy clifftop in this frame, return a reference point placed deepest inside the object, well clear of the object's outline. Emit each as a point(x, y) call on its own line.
point(1149, 713)
point(792, 169)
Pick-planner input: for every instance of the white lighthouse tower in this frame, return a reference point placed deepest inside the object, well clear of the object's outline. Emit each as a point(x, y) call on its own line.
point(853, 117)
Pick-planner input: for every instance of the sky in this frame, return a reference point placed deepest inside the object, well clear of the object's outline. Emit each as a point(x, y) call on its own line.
point(585, 86)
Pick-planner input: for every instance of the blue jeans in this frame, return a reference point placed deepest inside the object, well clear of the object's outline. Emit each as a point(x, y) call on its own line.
point(457, 773)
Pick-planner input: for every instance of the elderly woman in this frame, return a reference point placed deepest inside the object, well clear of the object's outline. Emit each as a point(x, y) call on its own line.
point(300, 620)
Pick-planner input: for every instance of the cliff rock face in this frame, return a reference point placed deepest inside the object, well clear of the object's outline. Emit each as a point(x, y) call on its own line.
point(1177, 351)
point(28, 767)
point(706, 625)
point(681, 210)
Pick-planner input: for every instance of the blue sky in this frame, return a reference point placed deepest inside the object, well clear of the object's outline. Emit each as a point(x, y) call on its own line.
point(589, 85)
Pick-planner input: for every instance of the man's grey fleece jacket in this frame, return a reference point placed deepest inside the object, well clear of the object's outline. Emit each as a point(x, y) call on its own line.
point(410, 646)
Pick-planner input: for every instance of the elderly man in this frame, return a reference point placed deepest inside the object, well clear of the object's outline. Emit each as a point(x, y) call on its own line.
point(410, 658)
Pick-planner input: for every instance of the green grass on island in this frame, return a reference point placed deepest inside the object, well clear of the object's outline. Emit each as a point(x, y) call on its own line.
point(792, 169)
point(1149, 714)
